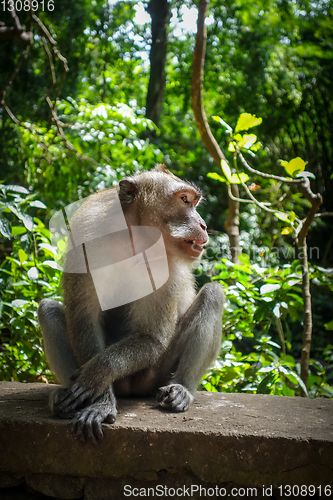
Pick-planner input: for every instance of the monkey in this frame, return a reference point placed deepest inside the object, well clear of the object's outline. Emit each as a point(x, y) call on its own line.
point(160, 344)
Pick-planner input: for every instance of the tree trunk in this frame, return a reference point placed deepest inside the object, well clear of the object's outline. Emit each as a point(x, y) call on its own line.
point(160, 13)
point(232, 223)
point(315, 200)
point(307, 314)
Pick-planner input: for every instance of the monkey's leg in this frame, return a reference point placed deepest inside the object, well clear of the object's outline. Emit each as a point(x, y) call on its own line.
point(58, 350)
point(196, 344)
point(87, 422)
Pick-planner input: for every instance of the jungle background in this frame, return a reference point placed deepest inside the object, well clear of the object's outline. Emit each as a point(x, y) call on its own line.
point(93, 91)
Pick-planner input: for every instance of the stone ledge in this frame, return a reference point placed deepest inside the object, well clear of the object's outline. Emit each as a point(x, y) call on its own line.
point(243, 439)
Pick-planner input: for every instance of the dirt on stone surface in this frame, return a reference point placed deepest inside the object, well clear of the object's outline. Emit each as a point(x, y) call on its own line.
point(228, 414)
point(242, 438)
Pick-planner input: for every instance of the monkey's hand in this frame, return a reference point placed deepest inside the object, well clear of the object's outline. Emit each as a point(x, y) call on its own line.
point(174, 397)
point(87, 387)
point(87, 423)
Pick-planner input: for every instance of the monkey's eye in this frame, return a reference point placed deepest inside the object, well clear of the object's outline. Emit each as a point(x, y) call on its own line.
point(184, 199)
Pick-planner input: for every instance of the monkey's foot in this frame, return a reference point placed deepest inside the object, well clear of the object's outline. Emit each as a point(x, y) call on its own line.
point(175, 397)
point(87, 423)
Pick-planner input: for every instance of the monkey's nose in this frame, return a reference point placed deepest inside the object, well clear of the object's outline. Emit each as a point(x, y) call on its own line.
point(203, 226)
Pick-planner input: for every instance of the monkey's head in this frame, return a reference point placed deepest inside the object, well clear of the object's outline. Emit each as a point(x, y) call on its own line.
point(160, 199)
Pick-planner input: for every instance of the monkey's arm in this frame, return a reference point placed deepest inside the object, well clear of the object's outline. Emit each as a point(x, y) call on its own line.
point(123, 358)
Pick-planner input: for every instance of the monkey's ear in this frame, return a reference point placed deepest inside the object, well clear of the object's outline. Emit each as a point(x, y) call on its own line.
point(127, 191)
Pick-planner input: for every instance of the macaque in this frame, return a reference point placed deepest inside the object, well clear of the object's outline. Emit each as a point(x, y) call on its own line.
point(161, 343)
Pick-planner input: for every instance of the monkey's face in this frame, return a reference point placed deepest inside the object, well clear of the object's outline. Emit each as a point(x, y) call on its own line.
point(161, 200)
point(186, 231)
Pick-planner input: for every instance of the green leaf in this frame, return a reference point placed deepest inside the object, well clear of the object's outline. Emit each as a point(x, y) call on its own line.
point(5, 229)
point(18, 230)
point(263, 386)
point(291, 216)
point(294, 166)
point(223, 123)
point(246, 141)
point(300, 382)
point(329, 326)
point(235, 178)
point(50, 263)
point(269, 288)
point(246, 121)
point(274, 344)
point(16, 189)
point(19, 303)
point(27, 221)
point(238, 178)
point(276, 311)
point(22, 256)
point(282, 216)
point(25, 218)
point(38, 204)
point(249, 140)
point(226, 170)
point(306, 174)
point(287, 230)
point(33, 274)
point(287, 391)
point(225, 347)
point(244, 258)
point(256, 146)
point(216, 177)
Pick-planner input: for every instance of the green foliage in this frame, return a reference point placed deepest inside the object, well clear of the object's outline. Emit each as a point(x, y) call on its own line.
point(271, 58)
point(294, 167)
point(260, 372)
point(262, 298)
point(98, 137)
point(246, 121)
point(27, 274)
point(239, 143)
point(261, 301)
point(237, 178)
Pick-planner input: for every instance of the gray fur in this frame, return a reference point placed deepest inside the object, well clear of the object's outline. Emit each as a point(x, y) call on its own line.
point(162, 343)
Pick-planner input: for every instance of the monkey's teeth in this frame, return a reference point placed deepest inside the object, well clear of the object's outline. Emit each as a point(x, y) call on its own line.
point(194, 242)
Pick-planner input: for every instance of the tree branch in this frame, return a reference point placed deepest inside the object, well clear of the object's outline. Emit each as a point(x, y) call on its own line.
point(315, 200)
point(17, 31)
point(303, 184)
point(325, 214)
point(267, 176)
point(232, 222)
point(197, 85)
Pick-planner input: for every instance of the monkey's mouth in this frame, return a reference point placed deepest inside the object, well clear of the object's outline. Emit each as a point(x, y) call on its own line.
point(195, 242)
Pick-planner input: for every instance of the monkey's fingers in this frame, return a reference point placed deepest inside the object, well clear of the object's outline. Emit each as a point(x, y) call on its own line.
point(165, 395)
point(72, 398)
point(175, 397)
point(88, 426)
point(88, 423)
